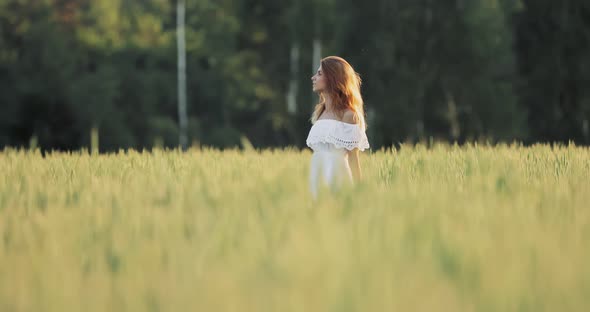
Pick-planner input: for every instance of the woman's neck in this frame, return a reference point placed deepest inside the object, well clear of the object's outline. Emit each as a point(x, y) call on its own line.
point(329, 103)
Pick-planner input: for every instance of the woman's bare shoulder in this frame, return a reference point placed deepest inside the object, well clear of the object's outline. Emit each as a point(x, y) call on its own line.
point(350, 117)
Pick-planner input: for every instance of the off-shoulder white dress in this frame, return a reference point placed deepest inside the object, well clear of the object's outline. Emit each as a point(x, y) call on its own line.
point(330, 140)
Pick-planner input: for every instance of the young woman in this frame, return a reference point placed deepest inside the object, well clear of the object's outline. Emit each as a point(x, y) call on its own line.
point(338, 126)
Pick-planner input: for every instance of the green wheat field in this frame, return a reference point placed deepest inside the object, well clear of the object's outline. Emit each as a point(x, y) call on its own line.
point(446, 228)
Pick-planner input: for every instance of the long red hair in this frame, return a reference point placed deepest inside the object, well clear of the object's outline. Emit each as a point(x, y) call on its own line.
point(343, 85)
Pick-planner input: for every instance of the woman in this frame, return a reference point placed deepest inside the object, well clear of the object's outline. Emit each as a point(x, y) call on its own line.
point(338, 126)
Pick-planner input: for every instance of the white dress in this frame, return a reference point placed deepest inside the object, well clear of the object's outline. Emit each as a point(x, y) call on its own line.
point(330, 140)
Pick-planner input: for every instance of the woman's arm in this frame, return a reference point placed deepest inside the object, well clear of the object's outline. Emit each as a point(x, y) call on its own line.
point(355, 165)
point(353, 155)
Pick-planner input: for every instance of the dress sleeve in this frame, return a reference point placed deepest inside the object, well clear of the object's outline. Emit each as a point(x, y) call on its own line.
point(341, 135)
point(349, 136)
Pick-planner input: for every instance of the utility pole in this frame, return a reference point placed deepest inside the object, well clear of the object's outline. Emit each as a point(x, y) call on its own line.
point(293, 89)
point(180, 35)
point(317, 49)
point(293, 78)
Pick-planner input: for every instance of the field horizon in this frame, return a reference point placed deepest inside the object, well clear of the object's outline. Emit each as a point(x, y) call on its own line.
point(445, 228)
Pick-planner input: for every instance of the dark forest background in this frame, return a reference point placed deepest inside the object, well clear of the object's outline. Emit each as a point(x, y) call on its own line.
point(452, 70)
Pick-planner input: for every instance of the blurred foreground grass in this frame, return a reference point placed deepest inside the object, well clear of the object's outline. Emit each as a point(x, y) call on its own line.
point(473, 228)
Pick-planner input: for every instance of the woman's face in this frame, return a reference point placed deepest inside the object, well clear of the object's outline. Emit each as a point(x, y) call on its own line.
point(319, 81)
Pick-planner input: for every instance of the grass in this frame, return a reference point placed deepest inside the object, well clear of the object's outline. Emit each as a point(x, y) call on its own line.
point(474, 228)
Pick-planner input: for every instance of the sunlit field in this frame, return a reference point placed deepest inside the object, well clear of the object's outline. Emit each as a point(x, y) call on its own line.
point(474, 228)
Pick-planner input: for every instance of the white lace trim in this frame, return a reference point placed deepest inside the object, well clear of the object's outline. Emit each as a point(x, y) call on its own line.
point(338, 133)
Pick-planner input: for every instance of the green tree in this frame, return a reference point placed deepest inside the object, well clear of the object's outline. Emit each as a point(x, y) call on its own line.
point(434, 68)
point(553, 47)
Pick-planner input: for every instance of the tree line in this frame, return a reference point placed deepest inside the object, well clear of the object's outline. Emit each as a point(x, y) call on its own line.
point(457, 70)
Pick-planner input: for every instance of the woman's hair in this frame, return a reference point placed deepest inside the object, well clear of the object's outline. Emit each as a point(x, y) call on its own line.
point(343, 85)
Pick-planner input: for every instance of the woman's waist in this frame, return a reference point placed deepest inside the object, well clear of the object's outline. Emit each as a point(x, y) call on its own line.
point(330, 155)
point(329, 158)
point(328, 148)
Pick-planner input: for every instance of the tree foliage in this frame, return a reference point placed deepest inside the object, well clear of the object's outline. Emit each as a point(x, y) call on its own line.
point(454, 70)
